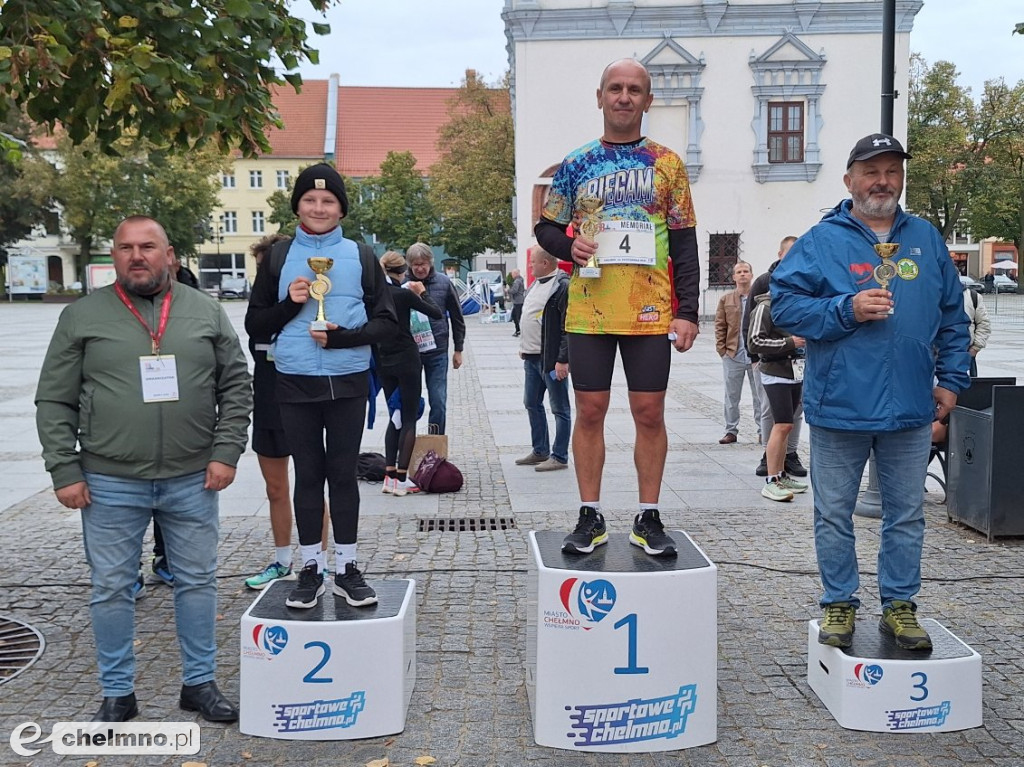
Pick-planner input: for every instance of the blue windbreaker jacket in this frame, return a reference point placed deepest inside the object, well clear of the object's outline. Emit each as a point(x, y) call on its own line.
point(876, 375)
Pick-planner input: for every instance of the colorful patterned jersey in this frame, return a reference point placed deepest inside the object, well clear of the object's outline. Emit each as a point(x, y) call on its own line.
point(639, 191)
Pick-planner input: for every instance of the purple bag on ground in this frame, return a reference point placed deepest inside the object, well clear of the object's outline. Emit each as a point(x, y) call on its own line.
point(437, 475)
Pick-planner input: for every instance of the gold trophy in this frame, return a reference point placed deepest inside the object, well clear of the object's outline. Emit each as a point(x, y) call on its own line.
point(319, 288)
point(886, 270)
point(590, 227)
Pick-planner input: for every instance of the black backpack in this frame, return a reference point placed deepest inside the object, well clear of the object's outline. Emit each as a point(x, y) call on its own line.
point(367, 260)
point(370, 467)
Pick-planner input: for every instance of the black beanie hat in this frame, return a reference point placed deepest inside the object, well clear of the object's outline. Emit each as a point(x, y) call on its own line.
point(320, 176)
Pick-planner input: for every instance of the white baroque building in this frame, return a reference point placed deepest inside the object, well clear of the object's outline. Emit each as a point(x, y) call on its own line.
point(763, 99)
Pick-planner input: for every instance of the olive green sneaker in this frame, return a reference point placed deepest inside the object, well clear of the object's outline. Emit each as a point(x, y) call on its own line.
point(900, 622)
point(836, 628)
point(774, 491)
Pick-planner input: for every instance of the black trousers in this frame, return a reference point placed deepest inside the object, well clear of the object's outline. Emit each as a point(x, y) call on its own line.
point(517, 314)
point(399, 443)
point(324, 439)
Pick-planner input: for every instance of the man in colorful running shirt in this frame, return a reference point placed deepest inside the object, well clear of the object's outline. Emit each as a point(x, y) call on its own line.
point(627, 199)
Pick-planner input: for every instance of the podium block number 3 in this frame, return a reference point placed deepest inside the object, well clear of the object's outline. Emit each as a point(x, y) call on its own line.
point(630, 623)
point(311, 677)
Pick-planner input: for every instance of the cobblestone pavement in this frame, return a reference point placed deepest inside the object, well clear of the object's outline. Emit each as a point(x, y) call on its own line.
point(470, 706)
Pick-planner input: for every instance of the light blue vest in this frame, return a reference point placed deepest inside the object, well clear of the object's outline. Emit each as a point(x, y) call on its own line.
point(295, 351)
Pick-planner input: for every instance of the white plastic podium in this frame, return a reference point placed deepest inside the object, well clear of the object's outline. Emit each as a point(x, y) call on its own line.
point(622, 646)
point(878, 687)
point(332, 672)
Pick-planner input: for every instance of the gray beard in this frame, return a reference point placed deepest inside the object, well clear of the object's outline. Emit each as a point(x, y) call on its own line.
point(875, 210)
point(150, 287)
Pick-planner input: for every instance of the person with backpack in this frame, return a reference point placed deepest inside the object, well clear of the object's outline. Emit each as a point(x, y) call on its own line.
point(323, 375)
point(980, 326)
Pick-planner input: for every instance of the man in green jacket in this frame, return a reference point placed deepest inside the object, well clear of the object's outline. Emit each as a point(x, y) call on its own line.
point(142, 410)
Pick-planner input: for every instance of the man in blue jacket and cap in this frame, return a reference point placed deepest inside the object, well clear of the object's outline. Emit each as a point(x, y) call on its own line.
point(874, 293)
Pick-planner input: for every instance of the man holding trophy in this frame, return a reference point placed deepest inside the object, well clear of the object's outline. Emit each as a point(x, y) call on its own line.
point(875, 295)
point(627, 199)
point(325, 305)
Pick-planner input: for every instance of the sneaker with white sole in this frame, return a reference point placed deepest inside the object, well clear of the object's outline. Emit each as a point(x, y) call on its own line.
point(793, 485)
point(649, 534)
point(590, 532)
point(275, 571)
point(351, 585)
point(388, 488)
point(774, 491)
point(407, 487)
point(309, 588)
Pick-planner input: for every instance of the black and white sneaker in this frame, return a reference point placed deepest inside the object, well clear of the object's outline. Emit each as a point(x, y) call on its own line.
point(649, 534)
point(351, 585)
point(309, 588)
point(590, 533)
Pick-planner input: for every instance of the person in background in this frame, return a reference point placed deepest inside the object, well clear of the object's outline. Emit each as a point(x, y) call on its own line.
point(794, 467)
point(731, 346)
point(399, 369)
point(434, 351)
point(544, 349)
point(978, 324)
point(517, 294)
point(270, 444)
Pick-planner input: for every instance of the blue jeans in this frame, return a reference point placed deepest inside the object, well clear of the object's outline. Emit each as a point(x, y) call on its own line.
point(837, 465)
point(435, 369)
point(536, 383)
point(113, 526)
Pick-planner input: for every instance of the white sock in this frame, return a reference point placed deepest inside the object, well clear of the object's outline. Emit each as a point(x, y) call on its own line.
point(283, 556)
point(343, 554)
point(648, 507)
point(595, 505)
point(312, 553)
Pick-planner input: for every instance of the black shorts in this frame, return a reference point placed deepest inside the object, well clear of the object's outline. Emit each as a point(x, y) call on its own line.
point(645, 359)
point(270, 443)
point(783, 399)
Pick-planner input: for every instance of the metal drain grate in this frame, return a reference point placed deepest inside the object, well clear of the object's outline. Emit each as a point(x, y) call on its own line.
point(20, 647)
point(466, 524)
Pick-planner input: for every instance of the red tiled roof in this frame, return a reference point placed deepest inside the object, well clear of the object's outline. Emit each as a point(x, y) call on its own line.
point(305, 118)
point(375, 121)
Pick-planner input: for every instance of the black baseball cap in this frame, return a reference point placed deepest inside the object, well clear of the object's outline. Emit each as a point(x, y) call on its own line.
point(873, 145)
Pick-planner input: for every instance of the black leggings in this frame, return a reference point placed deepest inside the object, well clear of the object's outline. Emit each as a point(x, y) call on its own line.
point(398, 444)
point(305, 425)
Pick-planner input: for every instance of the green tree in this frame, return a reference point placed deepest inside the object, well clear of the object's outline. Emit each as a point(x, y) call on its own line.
point(473, 183)
point(997, 206)
point(98, 190)
point(26, 179)
point(281, 210)
point(395, 205)
point(175, 71)
point(940, 117)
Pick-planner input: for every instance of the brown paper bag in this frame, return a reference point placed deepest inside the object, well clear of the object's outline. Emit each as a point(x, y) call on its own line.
point(424, 442)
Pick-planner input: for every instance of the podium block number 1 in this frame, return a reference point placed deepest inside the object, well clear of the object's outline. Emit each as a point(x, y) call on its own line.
point(630, 623)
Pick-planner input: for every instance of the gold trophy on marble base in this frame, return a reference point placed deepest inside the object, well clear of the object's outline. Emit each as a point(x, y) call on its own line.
point(886, 270)
point(319, 288)
point(590, 227)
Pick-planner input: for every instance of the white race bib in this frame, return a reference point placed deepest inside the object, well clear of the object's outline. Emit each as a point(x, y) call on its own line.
point(159, 378)
point(626, 242)
point(798, 369)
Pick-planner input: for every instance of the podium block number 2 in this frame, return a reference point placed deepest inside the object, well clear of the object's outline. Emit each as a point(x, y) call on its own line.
point(630, 623)
point(311, 677)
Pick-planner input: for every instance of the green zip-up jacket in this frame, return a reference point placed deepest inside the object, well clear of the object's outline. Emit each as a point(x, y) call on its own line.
point(89, 409)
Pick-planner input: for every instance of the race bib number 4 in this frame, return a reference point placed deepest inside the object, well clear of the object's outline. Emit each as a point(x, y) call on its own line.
point(626, 242)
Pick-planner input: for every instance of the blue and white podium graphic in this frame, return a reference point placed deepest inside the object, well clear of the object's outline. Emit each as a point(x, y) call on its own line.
point(333, 672)
point(622, 646)
point(878, 687)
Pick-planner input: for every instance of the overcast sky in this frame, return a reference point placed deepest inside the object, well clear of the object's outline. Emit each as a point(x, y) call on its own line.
point(419, 43)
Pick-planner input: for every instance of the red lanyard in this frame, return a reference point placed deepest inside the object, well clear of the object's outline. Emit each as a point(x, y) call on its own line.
point(165, 312)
